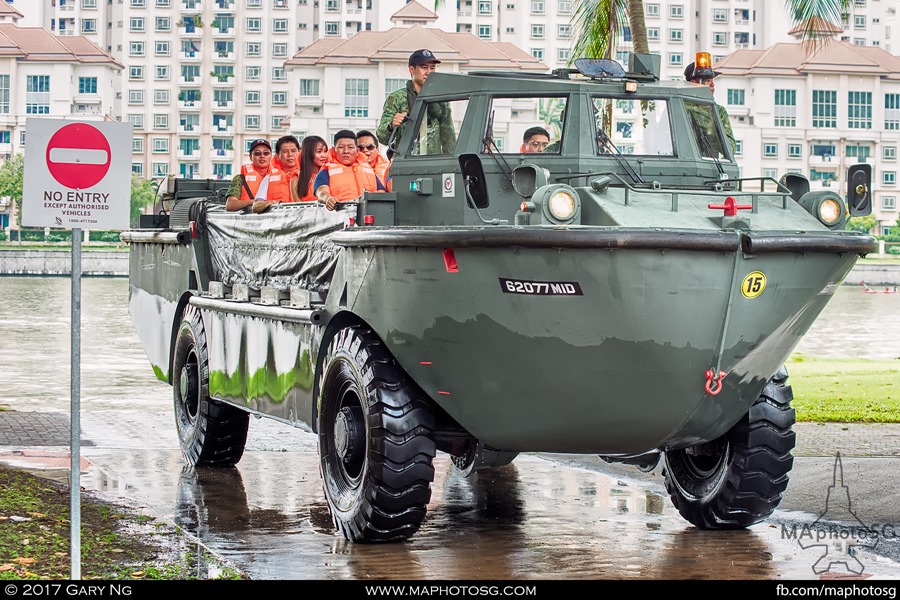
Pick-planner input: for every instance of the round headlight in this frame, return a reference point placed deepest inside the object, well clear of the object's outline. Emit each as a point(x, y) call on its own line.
point(562, 205)
point(830, 211)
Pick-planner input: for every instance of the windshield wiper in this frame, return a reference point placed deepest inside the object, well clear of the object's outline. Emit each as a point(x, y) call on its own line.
point(489, 143)
point(707, 145)
point(623, 162)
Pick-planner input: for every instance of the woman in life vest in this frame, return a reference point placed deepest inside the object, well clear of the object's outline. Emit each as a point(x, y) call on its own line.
point(260, 184)
point(313, 156)
point(369, 152)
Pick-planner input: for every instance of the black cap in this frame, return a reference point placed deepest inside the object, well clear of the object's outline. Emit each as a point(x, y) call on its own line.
point(422, 57)
point(689, 73)
point(260, 142)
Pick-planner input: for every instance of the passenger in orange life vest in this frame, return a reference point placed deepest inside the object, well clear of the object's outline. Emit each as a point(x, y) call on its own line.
point(260, 184)
point(344, 178)
point(536, 139)
point(313, 156)
point(369, 152)
point(287, 155)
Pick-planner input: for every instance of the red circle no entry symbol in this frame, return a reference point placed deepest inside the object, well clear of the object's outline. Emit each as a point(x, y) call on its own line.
point(78, 156)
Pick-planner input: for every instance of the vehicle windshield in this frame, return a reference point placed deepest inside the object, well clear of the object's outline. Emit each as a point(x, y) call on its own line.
point(638, 126)
point(702, 121)
point(525, 125)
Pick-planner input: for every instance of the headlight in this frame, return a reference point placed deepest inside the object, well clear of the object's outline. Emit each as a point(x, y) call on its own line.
point(830, 211)
point(562, 205)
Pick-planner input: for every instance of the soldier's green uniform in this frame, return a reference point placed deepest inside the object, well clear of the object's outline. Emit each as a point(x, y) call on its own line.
point(440, 133)
point(704, 126)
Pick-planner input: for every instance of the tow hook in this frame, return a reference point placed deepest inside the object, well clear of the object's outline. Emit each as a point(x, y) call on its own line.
point(714, 382)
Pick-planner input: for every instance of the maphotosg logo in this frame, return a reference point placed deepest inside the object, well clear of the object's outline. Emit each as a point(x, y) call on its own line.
point(838, 533)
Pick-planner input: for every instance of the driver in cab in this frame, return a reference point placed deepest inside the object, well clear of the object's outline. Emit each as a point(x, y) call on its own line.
point(344, 177)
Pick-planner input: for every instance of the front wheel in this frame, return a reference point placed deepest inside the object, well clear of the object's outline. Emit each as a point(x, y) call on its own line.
point(739, 479)
point(211, 433)
point(376, 441)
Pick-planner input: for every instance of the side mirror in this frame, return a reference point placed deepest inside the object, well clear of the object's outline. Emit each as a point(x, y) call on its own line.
point(797, 183)
point(859, 184)
point(473, 180)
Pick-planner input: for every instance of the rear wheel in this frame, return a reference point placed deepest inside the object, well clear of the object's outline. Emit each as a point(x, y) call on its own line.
point(739, 479)
point(376, 441)
point(211, 433)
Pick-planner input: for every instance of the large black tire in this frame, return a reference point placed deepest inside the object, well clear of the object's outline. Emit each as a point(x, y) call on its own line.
point(376, 441)
point(739, 479)
point(212, 433)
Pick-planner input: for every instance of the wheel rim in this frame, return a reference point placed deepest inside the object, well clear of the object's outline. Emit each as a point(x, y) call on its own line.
point(698, 472)
point(344, 437)
point(188, 387)
point(704, 466)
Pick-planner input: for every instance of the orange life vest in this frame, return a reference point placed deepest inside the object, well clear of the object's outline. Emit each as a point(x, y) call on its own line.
point(382, 168)
point(348, 182)
point(279, 185)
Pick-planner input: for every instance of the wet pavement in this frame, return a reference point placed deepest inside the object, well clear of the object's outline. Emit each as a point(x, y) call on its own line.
point(543, 517)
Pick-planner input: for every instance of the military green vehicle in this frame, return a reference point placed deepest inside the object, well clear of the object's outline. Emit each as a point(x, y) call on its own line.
point(623, 293)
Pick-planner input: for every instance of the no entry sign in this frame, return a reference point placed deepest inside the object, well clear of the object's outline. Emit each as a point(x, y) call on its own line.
point(77, 174)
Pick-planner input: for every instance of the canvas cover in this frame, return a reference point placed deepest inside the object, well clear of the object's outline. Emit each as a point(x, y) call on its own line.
point(288, 245)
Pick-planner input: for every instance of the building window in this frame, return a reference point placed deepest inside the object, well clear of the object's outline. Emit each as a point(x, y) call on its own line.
point(537, 53)
point(87, 85)
point(160, 169)
point(332, 6)
point(770, 173)
point(356, 98)
point(162, 72)
point(310, 87)
point(859, 110)
point(279, 98)
point(564, 7)
point(720, 38)
point(785, 108)
point(563, 55)
point(163, 24)
point(137, 168)
point(676, 35)
point(653, 34)
point(160, 144)
point(137, 145)
point(89, 4)
point(136, 24)
point(735, 97)
point(137, 121)
point(254, 49)
point(860, 153)
point(675, 59)
point(279, 49)
point(859, 21)
point(738, 147)
point(889, 203)
point(37, 95)
point(138, 3)
point(279, 74)
point(889, 152)
point(892, 111)
point(163, 49)
point(254, 24)
point(279, 25)
point(222, 171)
point(136, 73)
point(795, 151)
point(889, 177)
point(824, 108)
point(537, 31)
point(537, 7)
point(485, 7)
point(160, 121)
point(136, 49)
point(720, 15)
point(251, 97)
point(161, 97)
point(484, 32)
point(676, 11)
point(251, 122)
point(651, 10)
point(332, 28)
point(4, 94)
point(253, 73)
point(163, 3)
point(89, 26)
point(770, 150)
point(278, 121)
point(564, 31)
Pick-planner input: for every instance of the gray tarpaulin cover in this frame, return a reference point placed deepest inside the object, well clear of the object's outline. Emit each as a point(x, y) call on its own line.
point(288, 245)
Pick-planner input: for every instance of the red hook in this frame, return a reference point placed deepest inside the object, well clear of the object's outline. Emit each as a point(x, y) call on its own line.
point(730, 207)
point(712, 377)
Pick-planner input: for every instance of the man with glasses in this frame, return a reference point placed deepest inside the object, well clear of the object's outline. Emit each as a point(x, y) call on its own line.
point(536, 139)
point(260, 184)
point(344, 178)
point(369, 152)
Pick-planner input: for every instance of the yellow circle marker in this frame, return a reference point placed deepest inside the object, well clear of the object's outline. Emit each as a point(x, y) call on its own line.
point(753, 285)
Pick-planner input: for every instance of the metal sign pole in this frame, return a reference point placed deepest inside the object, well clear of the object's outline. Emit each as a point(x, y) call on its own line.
point(75, 441)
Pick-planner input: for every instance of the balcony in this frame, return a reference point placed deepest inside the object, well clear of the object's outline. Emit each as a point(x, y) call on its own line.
point(191, 7)
point(308, 101)
point(223, 105)
point(190, 80)
point(222, 130)
point(824, 162)
point(220, 81)
point(190, 128)
point(225, 5)
point(194, 31)
point(222, 32)
point(192, 154)
point(190, 105)
point(192, 56)
point(226, 57)
point(219, 155)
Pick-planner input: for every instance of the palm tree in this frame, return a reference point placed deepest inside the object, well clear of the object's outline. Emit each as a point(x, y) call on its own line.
point(810, 14)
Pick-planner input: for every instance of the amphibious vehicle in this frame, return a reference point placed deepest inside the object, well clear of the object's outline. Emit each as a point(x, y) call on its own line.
point(624, 293)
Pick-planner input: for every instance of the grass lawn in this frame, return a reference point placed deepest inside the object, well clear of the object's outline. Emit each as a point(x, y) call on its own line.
point(845, 389)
